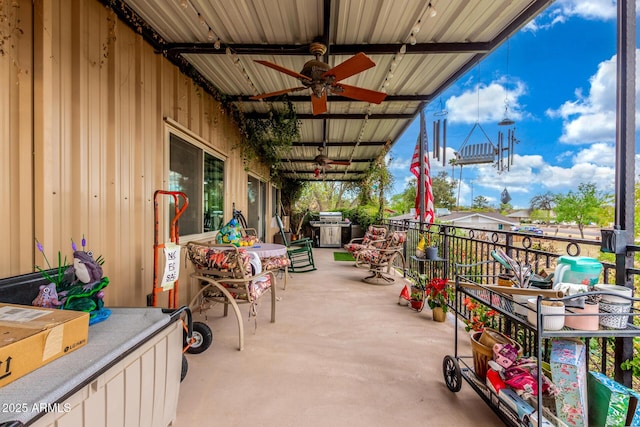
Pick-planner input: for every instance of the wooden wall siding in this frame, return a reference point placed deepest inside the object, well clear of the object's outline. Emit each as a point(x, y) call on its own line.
point(16, 171)
point(92, 109)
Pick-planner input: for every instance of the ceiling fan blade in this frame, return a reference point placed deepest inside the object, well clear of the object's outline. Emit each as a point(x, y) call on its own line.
point(282, 69)
point(319, 105)
point(354, 65)
point(361, 94)
point(340, 163)
point(278, 92)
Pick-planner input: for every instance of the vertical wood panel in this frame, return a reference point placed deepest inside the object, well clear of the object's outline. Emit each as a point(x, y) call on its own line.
point(99, 95)
point(16, 117)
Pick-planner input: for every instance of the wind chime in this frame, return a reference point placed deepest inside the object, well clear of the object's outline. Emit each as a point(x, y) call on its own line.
point(485, 151)
point(440, 135)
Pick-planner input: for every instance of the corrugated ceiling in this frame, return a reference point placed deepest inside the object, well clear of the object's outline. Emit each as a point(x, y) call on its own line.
point(447, 45)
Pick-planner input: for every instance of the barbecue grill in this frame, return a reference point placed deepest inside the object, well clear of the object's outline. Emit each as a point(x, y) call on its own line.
point(330, 225)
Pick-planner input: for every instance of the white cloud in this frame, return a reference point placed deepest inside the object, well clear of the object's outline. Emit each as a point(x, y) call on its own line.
point(486, 103)
point(588, 9)
point(600, 154)
point(592, 118)
point(563, 10)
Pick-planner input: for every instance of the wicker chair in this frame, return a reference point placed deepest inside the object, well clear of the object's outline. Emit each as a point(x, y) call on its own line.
point(226, 277)
point(381, 259)
point(373, 237)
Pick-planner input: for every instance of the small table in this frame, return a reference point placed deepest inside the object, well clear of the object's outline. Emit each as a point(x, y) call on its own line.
point(271, 250)
point(422, 261)
point(267, 250)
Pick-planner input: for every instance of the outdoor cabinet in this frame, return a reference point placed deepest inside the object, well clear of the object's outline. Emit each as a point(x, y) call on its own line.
point(331, 236)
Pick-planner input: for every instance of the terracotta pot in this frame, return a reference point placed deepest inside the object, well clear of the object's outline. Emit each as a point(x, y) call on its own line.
point(438, 314)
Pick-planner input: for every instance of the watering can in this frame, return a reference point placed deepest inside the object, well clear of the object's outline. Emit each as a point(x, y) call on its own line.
point(577, 270)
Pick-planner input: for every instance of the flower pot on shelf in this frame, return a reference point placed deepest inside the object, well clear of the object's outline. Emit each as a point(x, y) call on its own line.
point(549, 323)
point(431, 253)
point(577, 318)
point(439, 315)
point(616, 308)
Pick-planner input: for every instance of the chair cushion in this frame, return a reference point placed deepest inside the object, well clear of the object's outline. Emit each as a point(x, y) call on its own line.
point(373, 233)
point(275, 263)
point(206, 257)
point(354, 247)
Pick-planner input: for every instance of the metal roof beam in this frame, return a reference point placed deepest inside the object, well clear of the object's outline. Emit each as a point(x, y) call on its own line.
point(307, 160)
point(335, 49)
point(266, 116)
point(335, 98)
point(339, 144)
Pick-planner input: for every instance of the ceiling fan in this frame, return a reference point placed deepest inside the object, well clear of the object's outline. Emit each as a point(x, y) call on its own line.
point(321, 79)
point(322, 161)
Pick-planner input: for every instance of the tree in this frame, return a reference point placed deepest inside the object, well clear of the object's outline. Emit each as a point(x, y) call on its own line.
point(544, 202)
point(480, 203)
point(443, 187)
point(582, 207)
point(403, 202)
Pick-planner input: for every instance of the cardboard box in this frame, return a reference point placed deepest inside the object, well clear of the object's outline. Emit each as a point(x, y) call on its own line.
point(31, 337)
point(569, 374)
point(608, 401)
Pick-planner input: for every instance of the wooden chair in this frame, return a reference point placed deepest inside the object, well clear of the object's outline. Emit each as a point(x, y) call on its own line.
point(374, 235)
point(226, 275)
point(383, 257)
point(300, 252)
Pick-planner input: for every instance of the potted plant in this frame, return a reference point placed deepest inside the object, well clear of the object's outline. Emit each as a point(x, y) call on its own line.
point(438, 294)
point(417, 295)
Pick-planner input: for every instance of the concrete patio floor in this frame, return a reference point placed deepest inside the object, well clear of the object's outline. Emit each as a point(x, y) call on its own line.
point(341, 353)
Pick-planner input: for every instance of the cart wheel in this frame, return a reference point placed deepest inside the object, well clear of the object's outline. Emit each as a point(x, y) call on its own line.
point(202, 336)
point(451, 372)
point(185, 368)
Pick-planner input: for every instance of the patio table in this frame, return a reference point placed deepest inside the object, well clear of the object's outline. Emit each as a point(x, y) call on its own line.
point(273, 257)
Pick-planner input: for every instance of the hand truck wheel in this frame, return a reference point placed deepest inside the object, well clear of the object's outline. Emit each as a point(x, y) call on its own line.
point(452, 374)
point(201, 338)
point(185, 368)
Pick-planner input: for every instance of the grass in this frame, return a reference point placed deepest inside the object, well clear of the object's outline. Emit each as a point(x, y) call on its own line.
point(343, 256)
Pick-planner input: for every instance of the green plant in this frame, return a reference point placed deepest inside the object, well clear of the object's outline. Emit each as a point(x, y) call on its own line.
point(479, 315)
point(438, 292)
point(267, 139)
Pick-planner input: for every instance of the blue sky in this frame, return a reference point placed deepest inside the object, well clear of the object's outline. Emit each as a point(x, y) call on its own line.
point(559, 77)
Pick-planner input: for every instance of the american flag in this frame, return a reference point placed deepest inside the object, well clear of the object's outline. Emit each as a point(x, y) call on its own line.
point(428, 215)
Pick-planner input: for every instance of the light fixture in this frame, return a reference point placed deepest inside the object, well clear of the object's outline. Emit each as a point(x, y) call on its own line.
point(412, 40)
point(210, 35)
point(403, 49)
point(184, 4)
point(432, 10)
point(216, 45)
point(506, 121)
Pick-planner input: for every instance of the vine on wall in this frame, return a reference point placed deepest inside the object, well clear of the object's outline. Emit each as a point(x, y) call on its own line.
point(268, 139)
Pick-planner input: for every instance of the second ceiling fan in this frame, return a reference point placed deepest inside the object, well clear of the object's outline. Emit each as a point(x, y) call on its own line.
point(321, 79)
point(322, 161)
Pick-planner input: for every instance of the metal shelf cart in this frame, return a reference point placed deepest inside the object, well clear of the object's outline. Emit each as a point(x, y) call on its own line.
point(481, 288)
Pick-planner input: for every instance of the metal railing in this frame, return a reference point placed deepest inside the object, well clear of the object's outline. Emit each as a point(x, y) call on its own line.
point(466, 245)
